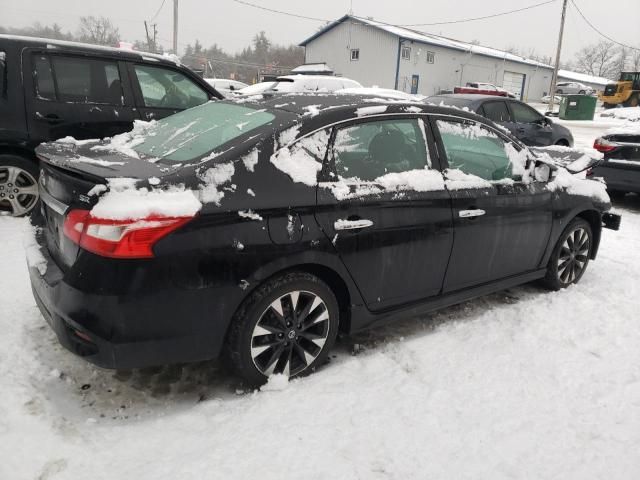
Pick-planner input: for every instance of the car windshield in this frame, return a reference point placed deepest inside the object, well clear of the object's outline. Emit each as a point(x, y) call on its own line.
point(195, 132)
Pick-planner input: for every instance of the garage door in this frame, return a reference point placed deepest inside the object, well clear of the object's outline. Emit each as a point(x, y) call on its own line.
point(514, 82)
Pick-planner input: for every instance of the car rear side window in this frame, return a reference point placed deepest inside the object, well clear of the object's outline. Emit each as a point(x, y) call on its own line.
point(496, 111)
point(524, 114)
point(190, 134)
point(77, 80)
point(366, 151)
point(165, 88)
point(475, 150)
point(82, 80)
point(3, 74)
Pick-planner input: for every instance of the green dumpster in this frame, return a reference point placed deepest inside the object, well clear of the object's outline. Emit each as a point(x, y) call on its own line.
point(577, 107)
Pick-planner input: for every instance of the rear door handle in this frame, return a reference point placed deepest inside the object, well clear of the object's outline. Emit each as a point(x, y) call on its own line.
point(52, 118)
point(471, 213)
point(352, 224)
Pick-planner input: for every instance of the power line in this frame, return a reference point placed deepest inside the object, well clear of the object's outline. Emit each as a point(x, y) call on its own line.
point(158, 12)
point(598, 31)
point(448, 22)
point(473, 19)
point(273, 10)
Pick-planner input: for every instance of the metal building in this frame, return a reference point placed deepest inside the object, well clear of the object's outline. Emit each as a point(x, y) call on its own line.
point(378, 54)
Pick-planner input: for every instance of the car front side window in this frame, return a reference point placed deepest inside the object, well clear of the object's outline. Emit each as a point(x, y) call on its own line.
point(475, 150)
point(164, 88)
point(524, 114)
point(497, 112)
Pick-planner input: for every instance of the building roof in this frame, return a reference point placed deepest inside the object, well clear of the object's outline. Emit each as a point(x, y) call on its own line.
point(583, 77)
point(416, 36)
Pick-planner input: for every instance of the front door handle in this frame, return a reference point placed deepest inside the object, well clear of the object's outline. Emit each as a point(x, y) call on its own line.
point(476, 212)
point(352, 224)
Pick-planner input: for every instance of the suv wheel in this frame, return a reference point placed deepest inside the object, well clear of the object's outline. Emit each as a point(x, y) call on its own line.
point(287, 326)
point(18, 185)
point(570, 256)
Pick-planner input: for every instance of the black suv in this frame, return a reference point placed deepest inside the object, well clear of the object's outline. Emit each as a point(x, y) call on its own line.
point(52, 89)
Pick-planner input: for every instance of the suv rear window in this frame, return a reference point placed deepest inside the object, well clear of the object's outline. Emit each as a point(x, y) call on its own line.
point(3, 74)
point(78, 80)
point(193, 133)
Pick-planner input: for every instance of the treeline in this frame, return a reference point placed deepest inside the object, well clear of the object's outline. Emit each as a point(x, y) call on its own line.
point(261, 56)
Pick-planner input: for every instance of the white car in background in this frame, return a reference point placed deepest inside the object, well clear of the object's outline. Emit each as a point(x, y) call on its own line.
point(301, 83)
point(570, 88)
point(547, 99)
point(225, 86)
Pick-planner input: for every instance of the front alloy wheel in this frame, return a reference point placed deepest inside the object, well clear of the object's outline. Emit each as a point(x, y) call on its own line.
point(570, 256)
point(18, 191)
point(574, 256)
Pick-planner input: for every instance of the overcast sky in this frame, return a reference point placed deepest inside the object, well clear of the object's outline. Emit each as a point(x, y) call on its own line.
point(232, 25)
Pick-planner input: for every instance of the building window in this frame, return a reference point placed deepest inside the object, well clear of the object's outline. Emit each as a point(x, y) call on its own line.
point(355, 54)
point(430, 57)
point(406, 53)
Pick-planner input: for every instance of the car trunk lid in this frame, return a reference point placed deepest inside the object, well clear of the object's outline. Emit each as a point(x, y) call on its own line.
point(69, 176)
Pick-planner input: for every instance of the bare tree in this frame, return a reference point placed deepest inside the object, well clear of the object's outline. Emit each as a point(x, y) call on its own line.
point(600, 60)
point(633, 63)
point(98, 30)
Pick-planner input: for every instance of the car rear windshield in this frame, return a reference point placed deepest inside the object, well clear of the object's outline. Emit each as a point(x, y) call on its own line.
point(193, 133)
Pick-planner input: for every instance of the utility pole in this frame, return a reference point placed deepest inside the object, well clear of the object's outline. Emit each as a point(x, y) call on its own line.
point(175, 26)
point(151, 43)
point(554, 77)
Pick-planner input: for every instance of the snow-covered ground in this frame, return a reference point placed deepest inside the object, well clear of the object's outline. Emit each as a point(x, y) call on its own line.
point(520, 384)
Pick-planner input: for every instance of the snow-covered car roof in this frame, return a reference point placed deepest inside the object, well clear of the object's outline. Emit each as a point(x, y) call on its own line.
point(68, 45)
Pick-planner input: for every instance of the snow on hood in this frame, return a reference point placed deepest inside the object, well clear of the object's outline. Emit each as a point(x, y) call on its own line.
point(124, 201)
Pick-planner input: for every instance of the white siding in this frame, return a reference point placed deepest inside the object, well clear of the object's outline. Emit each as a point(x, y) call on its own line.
point(379, 57)
point(378, 52)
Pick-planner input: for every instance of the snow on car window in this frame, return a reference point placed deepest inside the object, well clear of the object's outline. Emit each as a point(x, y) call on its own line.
point(303, 160)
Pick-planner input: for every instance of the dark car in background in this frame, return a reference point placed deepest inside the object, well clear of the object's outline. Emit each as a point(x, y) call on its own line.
point(258, 231)
point(524, 122)
point(621, 165)
point(51, 89)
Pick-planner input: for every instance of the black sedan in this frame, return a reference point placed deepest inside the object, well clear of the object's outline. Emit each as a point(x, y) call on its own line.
point(621, 165)
point(526, 123)
point(259, 230)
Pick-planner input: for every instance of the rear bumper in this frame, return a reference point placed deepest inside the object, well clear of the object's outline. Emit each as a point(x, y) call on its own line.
point(619, 178)
point(121, 332)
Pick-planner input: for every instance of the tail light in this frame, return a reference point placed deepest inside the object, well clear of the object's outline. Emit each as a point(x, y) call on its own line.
point(603, 145)
point(119, 238)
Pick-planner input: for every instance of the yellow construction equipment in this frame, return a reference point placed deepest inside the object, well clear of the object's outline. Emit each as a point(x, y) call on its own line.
point(625, 92)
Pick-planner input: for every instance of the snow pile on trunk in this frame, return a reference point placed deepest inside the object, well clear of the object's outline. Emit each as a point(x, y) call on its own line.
point(124, 201)
point(300, 161)
point(250, 160)
point(213, 178)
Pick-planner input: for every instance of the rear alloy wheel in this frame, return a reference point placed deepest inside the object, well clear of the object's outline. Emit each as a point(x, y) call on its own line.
point(571, 255)
point(287, 327)
point(18, 186)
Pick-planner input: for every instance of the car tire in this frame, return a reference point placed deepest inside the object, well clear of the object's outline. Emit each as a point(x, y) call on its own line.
point(559, 92)
point(562, 143)
point(582, 92)
point(18, 185)
point(570, 256)
point(266, 337)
